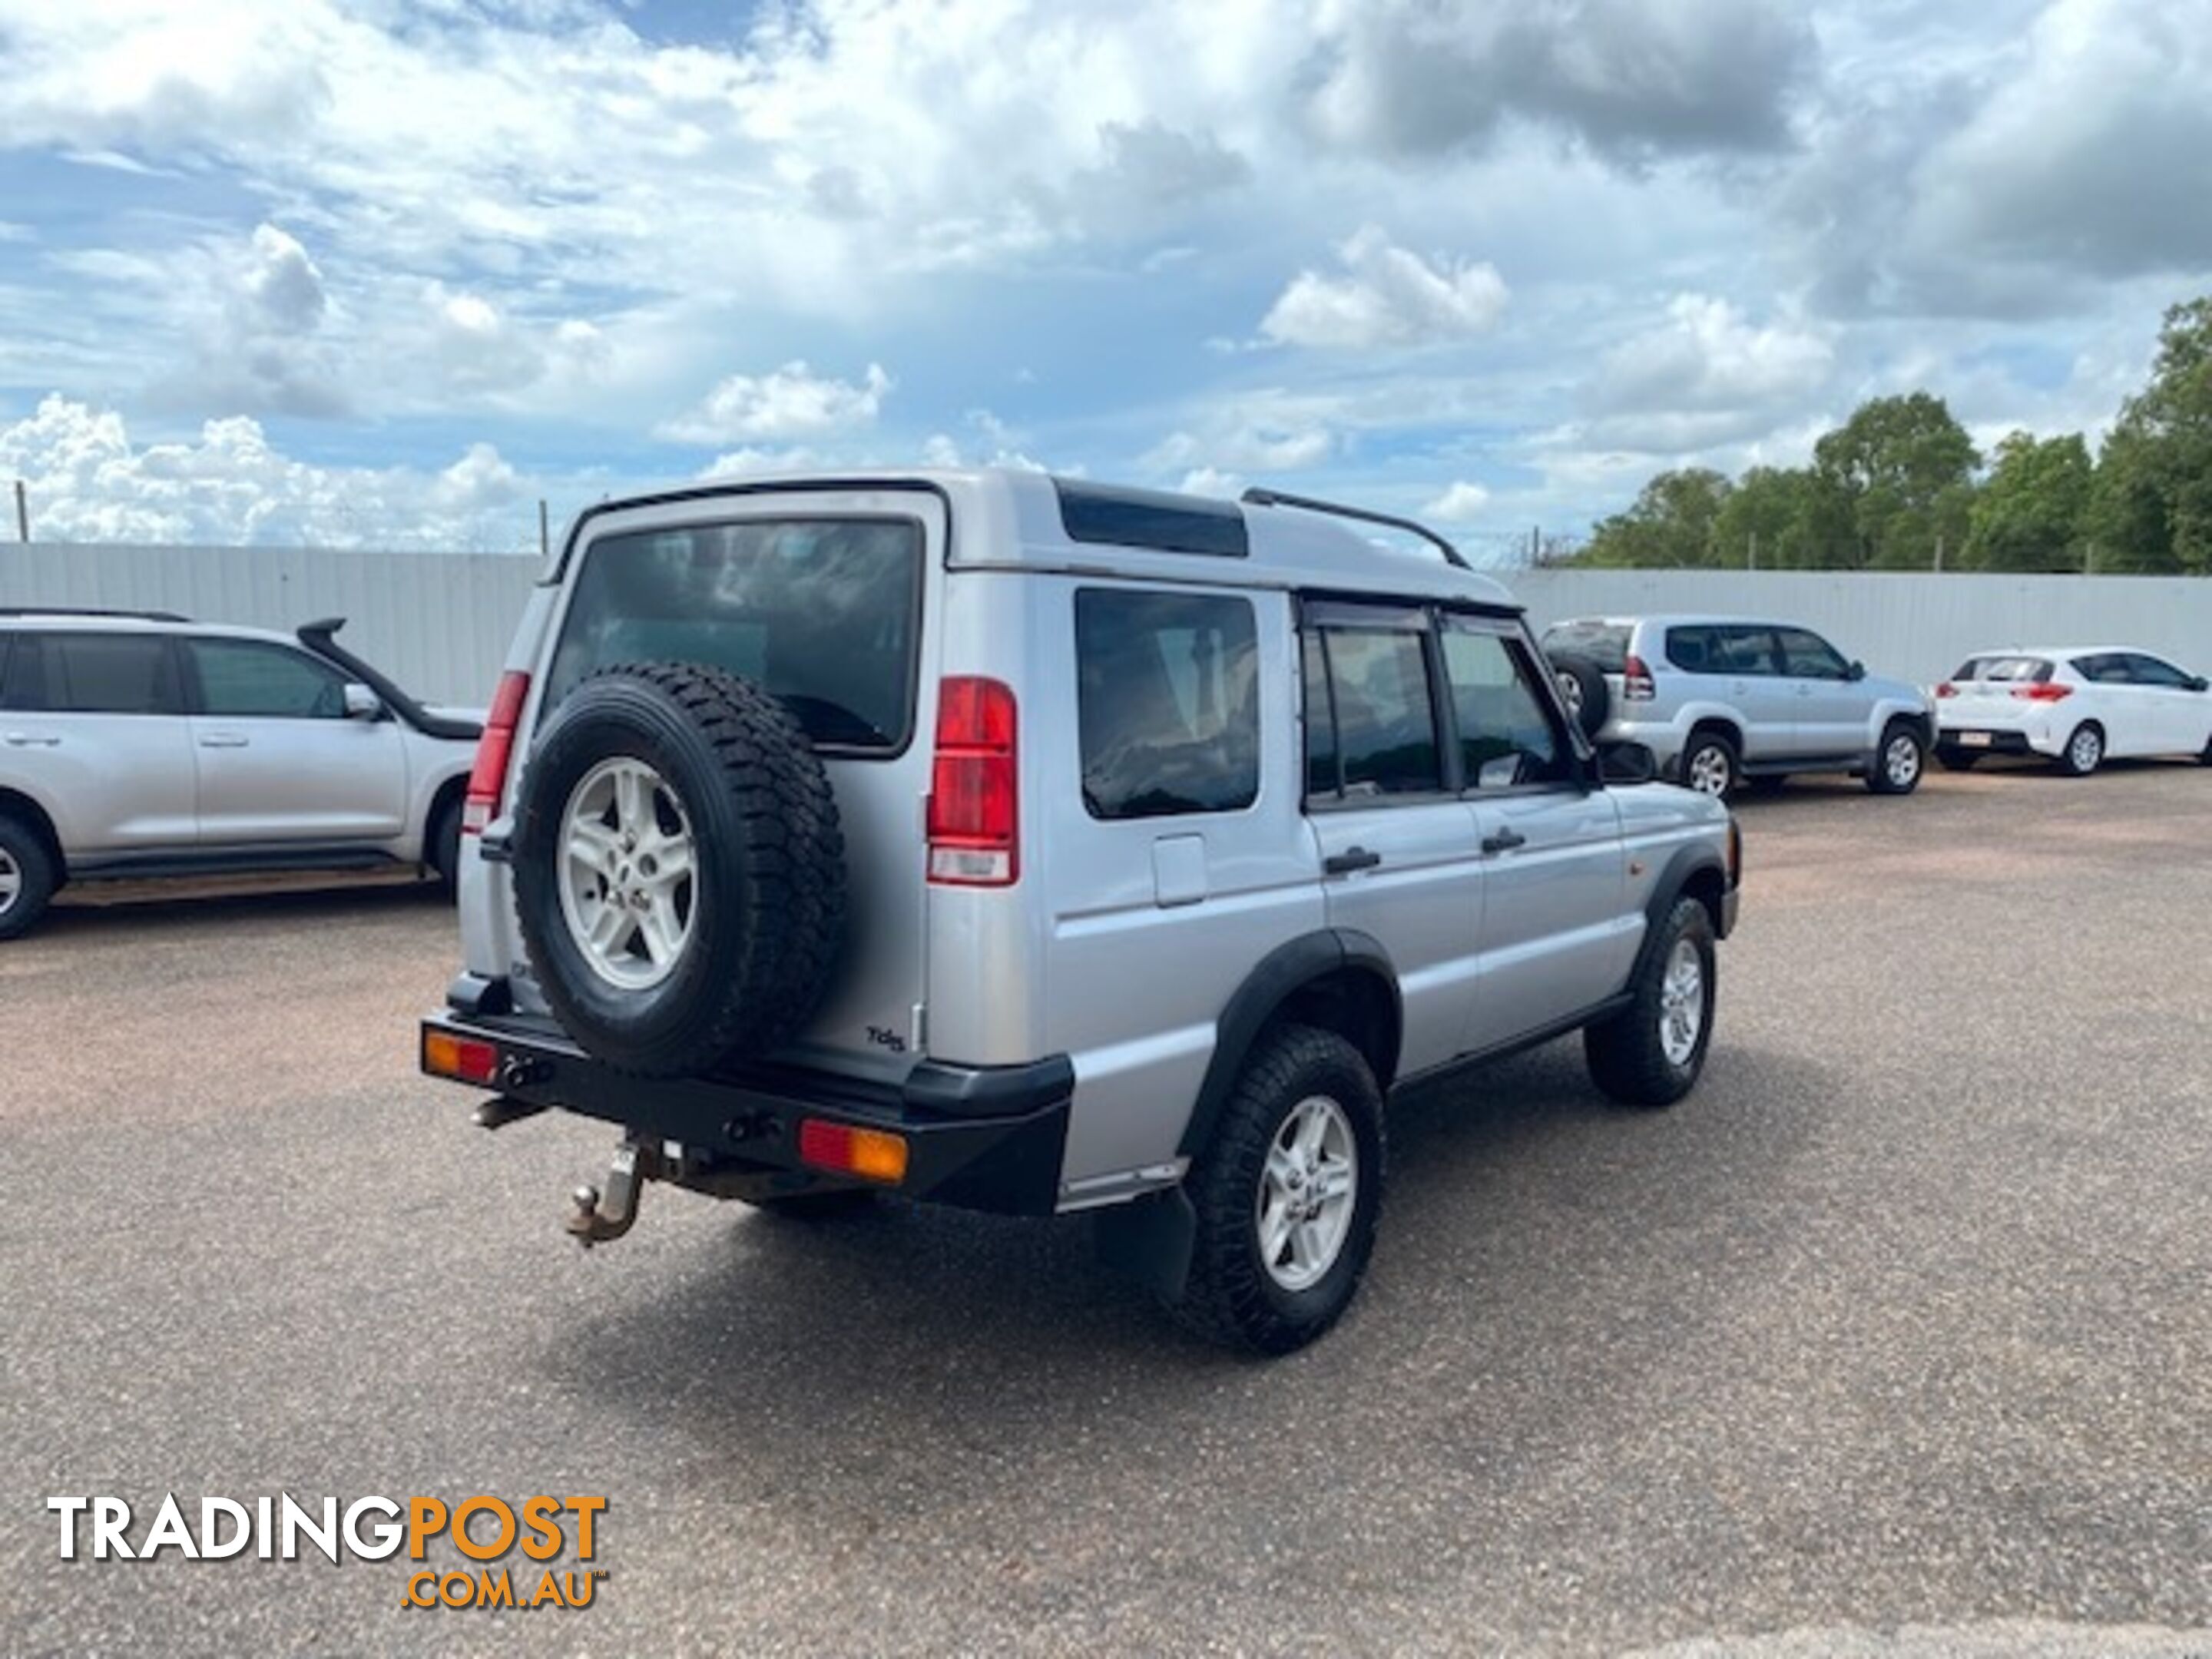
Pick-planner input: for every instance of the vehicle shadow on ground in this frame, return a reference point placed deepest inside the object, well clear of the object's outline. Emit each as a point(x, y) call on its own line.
point(98, 907)
point(1527, 1223)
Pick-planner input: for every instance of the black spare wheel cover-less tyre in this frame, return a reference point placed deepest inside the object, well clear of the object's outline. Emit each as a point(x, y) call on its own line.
point(1582, 688)
point(679, 874)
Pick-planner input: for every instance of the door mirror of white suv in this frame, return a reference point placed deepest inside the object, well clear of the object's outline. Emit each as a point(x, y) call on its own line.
point(1625, 762)
point(362, 704)
point(2198, 683)
point(1856, 672)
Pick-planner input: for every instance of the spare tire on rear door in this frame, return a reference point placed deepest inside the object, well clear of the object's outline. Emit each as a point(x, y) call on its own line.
point(1584, 690)
point(679, 875)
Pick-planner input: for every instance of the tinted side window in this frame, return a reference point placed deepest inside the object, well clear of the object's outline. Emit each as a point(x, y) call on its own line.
point(2104, 671)
point(2149, 670)
point(1807, 656)
point(1694, 650)
point(1322, 777)
point(1386, 728)
point(22, 677)
point(1167, 702)
point(110, 674)
point(1743, 649)
point(1505, 736)
point(242, 679)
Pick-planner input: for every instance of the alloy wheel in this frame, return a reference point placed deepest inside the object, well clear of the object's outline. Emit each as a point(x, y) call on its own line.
point(1709, 771)
point(11, 881)
point(1309, 1187)
point(1682, 1002)
point(628, 874)
point(1900, 761)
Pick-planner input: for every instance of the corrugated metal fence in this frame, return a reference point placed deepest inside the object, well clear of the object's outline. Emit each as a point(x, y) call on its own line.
point(440, 623)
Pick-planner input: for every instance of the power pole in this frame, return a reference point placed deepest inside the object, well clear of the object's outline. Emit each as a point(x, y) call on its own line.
point(1751, 551)
point(22, 515)
point(545, 531)
point(1939, 550)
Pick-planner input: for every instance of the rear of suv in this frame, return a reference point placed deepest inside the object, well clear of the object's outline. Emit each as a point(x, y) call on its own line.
point(142, 745)
point(1031, 846)
point(1719, 701)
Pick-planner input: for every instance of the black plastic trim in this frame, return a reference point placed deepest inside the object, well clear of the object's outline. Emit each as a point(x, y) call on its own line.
point(316, 637)
point(1007, 1163)
point(1283, 970)
point(229, 862)
point(1260, 497)
point(476, 994)
point(988, 1091)
point(1521, 1044)
point(1673, 878)
point(1152, 520)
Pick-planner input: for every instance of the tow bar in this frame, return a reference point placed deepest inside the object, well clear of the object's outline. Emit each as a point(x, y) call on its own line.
point(597, 1220)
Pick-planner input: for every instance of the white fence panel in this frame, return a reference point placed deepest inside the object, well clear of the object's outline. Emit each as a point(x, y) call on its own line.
point(438, 623)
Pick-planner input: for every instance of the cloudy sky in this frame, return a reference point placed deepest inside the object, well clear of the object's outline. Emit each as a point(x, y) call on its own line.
point(387, 272)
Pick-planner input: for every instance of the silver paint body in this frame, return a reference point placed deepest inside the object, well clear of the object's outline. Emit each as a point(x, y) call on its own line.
point(1122, 941)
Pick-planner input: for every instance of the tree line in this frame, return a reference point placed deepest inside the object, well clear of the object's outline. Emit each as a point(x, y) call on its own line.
point(1900, 486)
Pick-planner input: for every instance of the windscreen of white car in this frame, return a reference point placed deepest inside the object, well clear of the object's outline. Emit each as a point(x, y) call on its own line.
point(822, 612)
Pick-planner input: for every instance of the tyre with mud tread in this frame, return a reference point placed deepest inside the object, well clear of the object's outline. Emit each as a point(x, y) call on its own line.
point(1582, 688)
point(679, 873)
point(27, 876)
point(1287, 1192)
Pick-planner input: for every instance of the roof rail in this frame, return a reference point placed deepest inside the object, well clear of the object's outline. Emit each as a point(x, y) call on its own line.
point(1256, 497)
point(90, 610)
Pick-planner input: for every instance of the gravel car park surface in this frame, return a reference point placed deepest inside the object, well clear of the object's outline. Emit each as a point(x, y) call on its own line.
point(1894, 1338)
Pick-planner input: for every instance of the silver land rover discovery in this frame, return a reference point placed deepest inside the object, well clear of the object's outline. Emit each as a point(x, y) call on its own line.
point(1023, 844)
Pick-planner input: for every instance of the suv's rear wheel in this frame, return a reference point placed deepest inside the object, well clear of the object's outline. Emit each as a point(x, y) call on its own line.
point(1650, 1053)
point(1900, 762)
point(1709, 764)
point(1287, 1193)
point(27, 877)
point(678, 870)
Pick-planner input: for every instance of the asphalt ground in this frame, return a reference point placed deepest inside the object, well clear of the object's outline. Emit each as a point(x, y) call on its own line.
point(1895, 1338)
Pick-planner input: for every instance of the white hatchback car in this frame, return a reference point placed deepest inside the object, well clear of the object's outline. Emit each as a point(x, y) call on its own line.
point(2077, 704)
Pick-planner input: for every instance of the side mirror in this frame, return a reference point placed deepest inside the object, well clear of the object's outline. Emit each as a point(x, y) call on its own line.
point(1626, 762)
point(2198, 683)
point(362, 704)
point(1856, 672)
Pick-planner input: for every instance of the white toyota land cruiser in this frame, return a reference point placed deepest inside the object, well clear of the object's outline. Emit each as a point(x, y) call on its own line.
point(1032, 846)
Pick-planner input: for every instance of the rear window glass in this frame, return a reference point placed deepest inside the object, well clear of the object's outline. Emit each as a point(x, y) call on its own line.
point(1167, 699)
point(822, 612)
point(2003, 668)
point(1605, 644)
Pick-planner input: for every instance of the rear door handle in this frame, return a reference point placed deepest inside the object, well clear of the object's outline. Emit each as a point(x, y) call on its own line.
point(25, 740)
point(223, 740)
point(1356, 858)
point(1504, 841)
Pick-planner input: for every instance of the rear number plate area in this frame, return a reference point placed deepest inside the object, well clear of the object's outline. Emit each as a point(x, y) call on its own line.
point(1974, 739)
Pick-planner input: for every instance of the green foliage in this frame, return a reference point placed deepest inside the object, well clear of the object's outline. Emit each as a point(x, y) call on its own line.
point(2033, 511)
point(1669, 527)
point(1895, 487)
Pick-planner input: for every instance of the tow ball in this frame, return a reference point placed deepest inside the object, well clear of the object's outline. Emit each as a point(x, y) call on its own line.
point(597, 1219)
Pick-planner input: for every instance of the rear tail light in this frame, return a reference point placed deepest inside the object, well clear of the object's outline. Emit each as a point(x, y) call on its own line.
point(445, 1054)
point(488, 779)
point(2044, 693)
point(871, 1154)
point(1636, 684)
point(974, 789)
point(1946, 690)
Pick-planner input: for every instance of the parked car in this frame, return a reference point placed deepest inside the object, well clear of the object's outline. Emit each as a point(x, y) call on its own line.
point(2079, 705)
point(140, 743)
point(1034, 846)
point(1720, 700)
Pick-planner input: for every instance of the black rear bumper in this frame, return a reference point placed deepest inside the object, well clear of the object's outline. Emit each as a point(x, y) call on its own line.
point(979, 1137)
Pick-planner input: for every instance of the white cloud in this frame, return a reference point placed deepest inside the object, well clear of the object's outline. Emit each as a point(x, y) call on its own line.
point(1459, 502)
point(87, 480)
point(1257, 446)
point(791, 402)
point(1705, 376)
point(1388, 297)
point(753, 463)
point(1208, 480)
